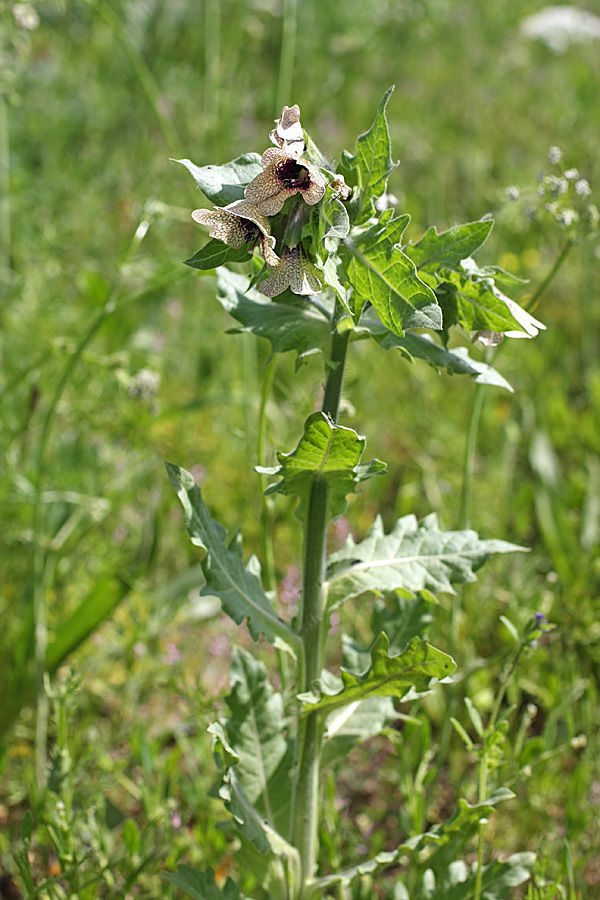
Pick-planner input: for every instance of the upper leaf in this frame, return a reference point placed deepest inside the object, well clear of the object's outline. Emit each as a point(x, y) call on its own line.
point(381, 273)
point(388, 676)
point(326, 452)
point(412, 556)
point(446, 250)
point(237, 585)
point(298, 325)
point(372, 163)
point(225, 184)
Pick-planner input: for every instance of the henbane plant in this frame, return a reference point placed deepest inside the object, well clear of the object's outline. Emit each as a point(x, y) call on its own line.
point(331, 266)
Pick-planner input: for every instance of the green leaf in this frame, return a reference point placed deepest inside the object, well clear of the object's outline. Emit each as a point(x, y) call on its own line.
point(300, 327)
point(255, 727)
point(402, 618)
point(372, 164)
point(237, 585)
point(329, 453)
point(456, 360)
point(225, 184)
point(200, 885)
point(250, 822)
point(383, 275)
point(412, 556)
point(478, 305)
point(334, 224)
point(446, 250)
point(96, 606)
point(357, 722)
point(497, 880)
point(215, 253)
point(388, 676)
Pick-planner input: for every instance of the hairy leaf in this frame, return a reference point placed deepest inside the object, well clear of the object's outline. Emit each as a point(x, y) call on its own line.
point(237, 585)
point(387, 676)
point(478, 305)
point(301, 327)
point(422, 346)
point(412, 556)
point(326, 452)
point(356, 722)
point(371, 165)
point(383, 275)
point(446, 250)
point(225, 184)
point(255, 727)
point(215, 253)
point(252, 825)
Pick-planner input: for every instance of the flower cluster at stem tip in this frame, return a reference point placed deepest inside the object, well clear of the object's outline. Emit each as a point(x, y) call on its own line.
point(260, 219)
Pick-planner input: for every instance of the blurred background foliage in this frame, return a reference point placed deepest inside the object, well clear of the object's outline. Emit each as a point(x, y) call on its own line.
point(114, 359)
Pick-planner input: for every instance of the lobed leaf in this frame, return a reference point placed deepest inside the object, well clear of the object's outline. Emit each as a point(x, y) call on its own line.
point(412, 556)
point(238, 585)
point(383, 275)
point(326, 452)
point(371, 165)
point(446, 250)
point(456, 361)
point(225, 184)
point(387, 676)
point(301, 327)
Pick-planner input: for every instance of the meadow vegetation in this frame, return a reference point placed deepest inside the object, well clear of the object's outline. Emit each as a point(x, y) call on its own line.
point(114, 360)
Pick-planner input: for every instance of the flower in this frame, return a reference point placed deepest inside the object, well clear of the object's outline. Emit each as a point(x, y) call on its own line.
point(238, 224)
point(293, 270)
point(582, 187)
point(284, 175)
point(288, 133)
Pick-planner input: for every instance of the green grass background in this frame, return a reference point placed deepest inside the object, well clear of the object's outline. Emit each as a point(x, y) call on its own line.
point(94, 102)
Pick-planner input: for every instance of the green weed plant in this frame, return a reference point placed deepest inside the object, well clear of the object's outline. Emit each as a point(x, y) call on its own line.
point(332, 267)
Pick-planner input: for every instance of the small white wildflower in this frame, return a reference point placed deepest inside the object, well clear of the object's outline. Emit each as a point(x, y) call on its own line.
point(555, 155)
point(567, 217)
point(579, 742)
point(560, 26)
point(582, 187)
point(26, 16)
point(144, 385)
point(558, 186)
point(512, 193)
point(572, 174)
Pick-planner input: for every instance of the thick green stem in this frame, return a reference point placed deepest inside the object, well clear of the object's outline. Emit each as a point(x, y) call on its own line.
point(314, 626)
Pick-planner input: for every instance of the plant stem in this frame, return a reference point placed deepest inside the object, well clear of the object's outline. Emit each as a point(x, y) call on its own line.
point(314, 631)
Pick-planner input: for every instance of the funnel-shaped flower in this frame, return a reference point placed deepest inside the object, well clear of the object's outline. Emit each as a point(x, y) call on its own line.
point(238, 224)
point(288, 133)
point(284, 175)
point(295, 271)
